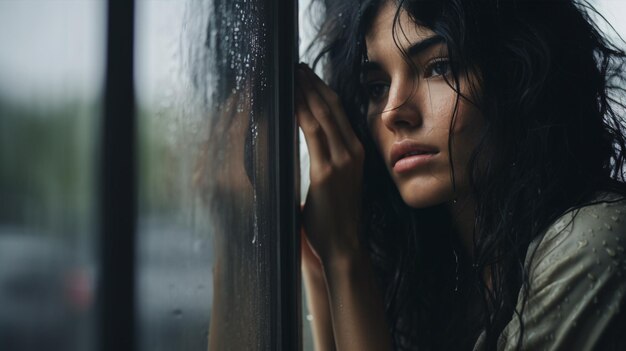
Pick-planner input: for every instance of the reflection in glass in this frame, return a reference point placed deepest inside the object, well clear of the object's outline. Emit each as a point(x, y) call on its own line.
point(203, 84)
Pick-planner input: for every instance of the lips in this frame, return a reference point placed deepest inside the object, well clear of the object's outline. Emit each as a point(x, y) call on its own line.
point(407, 154)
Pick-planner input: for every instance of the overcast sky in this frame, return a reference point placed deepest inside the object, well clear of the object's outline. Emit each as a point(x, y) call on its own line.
point(55, 48)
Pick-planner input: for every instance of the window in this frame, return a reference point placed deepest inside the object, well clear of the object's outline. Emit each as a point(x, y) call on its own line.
point(147, 171)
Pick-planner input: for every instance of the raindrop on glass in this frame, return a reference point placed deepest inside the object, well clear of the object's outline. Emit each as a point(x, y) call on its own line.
point(610, 252)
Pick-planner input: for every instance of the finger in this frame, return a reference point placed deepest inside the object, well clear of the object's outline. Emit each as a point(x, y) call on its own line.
point(323, 114)
point(334, 104)
point(312, 130)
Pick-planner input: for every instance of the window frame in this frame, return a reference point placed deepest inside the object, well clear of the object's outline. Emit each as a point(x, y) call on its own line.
point(287, 300)
point(118, 190)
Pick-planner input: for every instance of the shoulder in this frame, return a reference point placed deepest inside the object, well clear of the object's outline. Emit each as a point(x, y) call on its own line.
point(577, 276)
point(592, 236)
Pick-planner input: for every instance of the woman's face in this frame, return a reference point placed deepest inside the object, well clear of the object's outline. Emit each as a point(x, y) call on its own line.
point(410, 111)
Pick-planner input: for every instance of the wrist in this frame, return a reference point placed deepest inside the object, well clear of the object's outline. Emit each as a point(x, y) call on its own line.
point(341, 253)
point(344, 264)
point(312, 270)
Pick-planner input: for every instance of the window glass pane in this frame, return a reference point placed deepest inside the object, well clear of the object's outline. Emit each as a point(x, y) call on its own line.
point(51, 70)
point(204, 87)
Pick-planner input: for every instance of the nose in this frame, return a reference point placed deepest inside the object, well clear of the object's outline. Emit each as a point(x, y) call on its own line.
point(402, 109)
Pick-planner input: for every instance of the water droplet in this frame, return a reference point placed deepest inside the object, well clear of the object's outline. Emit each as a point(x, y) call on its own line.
point(608, 226)
point(582, 243)
point(309, 317)
point(593, 250)
point(615, 218)
point(591, 277)
point(603, 242)
point(610, 252)
point(594, 215)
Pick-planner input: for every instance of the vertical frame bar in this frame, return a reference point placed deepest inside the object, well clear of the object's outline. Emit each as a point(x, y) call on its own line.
point(116, 305)
point(288, 304)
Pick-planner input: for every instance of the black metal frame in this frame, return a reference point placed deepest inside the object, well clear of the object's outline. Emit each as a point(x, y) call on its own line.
point(116, 285)
point(287, 303)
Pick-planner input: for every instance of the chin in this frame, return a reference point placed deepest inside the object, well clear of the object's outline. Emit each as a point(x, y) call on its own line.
point(423, 194)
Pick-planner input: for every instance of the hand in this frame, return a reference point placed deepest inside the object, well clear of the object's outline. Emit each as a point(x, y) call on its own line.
point(332, 207)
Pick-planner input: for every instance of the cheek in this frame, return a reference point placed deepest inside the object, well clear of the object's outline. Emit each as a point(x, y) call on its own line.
point(467, 132)
point(439, 108)
point(442, 102)
point(468, 126)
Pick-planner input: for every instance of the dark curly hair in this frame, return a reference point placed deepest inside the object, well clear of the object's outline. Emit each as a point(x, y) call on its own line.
point(551, 87)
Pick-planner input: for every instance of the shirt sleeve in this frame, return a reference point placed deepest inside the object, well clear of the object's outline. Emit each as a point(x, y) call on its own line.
point(577, 284)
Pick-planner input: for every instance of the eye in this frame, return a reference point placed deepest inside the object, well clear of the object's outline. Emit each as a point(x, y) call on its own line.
point(376, 90)
point(437, 68)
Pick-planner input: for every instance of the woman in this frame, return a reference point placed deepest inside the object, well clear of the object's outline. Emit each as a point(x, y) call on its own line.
point(466, 177)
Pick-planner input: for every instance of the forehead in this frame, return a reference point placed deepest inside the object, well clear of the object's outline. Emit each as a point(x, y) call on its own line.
point(380, 36)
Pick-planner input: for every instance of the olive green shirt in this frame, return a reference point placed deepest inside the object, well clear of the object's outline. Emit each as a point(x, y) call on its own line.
point(576, 299)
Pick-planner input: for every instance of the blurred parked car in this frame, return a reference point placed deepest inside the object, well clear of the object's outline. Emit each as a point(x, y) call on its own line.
point(45, 295)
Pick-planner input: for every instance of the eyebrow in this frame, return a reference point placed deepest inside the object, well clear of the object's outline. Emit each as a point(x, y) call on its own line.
point(413, 50)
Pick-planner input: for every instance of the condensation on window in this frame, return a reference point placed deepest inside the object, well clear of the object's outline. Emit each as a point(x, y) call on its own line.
point(204, 87)
point(51, 79)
